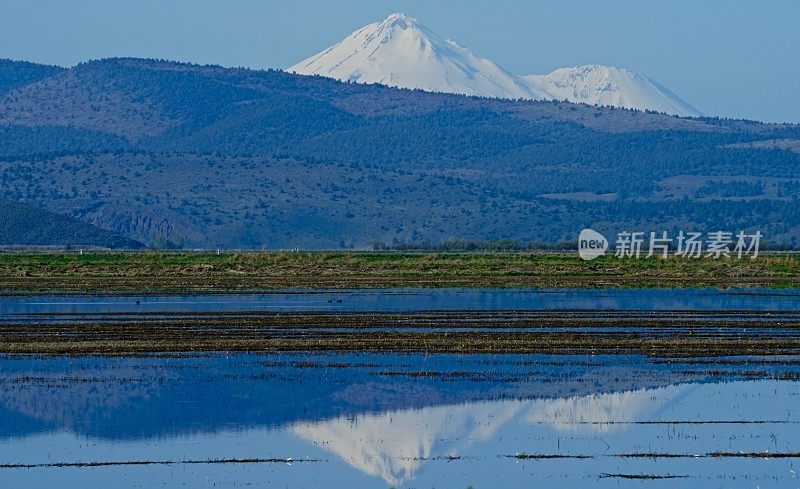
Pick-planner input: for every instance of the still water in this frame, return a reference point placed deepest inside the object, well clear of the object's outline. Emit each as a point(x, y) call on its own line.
point(404, 300)
point(398, 420)
point(392, 420)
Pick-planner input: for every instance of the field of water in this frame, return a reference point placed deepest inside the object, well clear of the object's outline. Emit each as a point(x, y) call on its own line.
point(363, 420)
point(406, 300)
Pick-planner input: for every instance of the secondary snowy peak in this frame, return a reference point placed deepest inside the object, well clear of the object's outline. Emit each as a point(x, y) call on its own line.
point(401, 52)
point(607, 85)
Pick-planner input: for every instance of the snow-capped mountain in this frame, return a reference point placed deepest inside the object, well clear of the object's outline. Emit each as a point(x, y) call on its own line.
point(607, 85)
point(401, 52)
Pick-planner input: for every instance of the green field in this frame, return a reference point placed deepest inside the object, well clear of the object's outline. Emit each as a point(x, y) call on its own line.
point(227, 272)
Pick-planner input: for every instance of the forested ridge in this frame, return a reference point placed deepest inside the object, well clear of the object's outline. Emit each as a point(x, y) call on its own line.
point(179, 155)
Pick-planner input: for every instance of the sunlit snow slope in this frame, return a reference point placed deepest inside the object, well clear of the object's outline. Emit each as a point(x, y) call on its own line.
point(401, 52)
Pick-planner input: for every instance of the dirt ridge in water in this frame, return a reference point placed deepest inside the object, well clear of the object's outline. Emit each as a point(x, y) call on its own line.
point(654, 333)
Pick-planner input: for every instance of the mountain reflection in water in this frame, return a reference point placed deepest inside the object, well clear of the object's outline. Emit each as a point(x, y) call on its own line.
point(393, 445)
point(395, 420)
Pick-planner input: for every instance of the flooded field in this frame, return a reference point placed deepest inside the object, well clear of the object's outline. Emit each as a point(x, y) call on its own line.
point(361, 415)
point(378, 420)
point(410, 299)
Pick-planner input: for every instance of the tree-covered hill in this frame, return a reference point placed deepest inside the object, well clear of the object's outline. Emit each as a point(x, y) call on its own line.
point(22, 224)
point(14, 74)
point(185, 155)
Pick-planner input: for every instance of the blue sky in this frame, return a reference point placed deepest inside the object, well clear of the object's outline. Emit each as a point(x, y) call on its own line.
point(731, 58)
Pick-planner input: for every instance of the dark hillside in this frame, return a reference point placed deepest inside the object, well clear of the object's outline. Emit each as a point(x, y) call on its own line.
point(206, 156)
point(14, 74)
point(22, 224)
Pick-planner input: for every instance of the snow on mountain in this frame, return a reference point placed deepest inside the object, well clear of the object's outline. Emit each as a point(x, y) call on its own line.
point(401, 52)
point(607, 85)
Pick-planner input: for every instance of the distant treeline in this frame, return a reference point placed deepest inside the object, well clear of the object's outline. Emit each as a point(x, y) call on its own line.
point(467, 245)
point(513, 245)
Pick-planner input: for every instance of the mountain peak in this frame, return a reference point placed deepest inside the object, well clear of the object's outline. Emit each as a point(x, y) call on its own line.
point(609, 85)
point(401, 20)
point(400, 51)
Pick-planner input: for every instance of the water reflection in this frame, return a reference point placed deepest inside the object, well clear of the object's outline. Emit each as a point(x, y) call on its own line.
point(397, 420)
point(395, 444)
